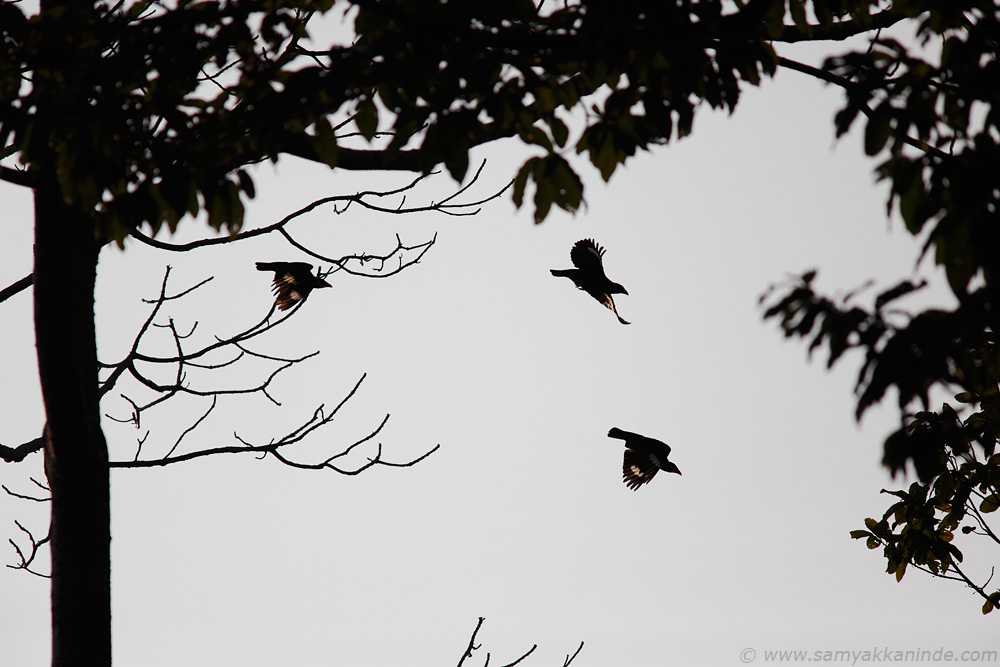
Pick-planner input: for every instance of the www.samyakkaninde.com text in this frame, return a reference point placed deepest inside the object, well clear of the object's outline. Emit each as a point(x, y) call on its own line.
point(880, 654)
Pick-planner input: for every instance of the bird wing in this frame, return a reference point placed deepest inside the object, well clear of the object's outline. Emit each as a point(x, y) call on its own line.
point(641, 443)
point(300, 272)
point(292, 281)
point(285, 267)
point(622, 434)
point(638, 468)
point(656, 447)
point(586, 255)
point(287, 291)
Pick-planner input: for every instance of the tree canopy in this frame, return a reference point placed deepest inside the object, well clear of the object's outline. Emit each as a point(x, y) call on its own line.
point(127, 117)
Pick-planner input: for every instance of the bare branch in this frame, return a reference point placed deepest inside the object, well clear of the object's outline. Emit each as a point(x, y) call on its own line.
point(571, 658)
point(472, 642)
point(978, 589)
point(190, 428)
point(529, 652)
point(17, 177)
point(364, 198)
point(31, 498)
point(362, 259)
point(25, 562)
point(984, 527)
point(318, 419)
point(17, 286)
point(841, 30)
point(234, 348)
point(473, 646)
point(17, 454)
point(849, 86)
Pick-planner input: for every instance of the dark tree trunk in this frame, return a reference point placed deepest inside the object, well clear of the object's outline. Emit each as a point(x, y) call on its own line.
point(76, 454)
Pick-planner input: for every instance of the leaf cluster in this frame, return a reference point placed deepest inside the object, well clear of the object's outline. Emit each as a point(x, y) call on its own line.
point(466, 74)
point(919, 528)
point(934, 122)
point(953, 449)
point(908, 353)
point(118, 105)
point(145, 113)
point(931, 120)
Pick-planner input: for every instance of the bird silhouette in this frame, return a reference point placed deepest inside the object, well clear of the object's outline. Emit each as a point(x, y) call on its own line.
point(643, 457)
point(589, 274)
point(292, 282)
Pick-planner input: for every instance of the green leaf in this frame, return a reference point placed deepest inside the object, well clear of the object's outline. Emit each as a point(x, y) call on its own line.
point(798, 11)
point(606, 158)
point(990, 504)
point(955, 250)
point(544, 197)
point(536, 136)
point(521, 180)
point(246, 183)
point(545, 100)
point(569, 187)
point(326, 142)
point(457, 162)
point(877, 130)
point(366, 119)
point(560, 133)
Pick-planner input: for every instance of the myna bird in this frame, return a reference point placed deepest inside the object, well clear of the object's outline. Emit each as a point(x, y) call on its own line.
point(589, 274)
point(292, 282)
point(643, 457)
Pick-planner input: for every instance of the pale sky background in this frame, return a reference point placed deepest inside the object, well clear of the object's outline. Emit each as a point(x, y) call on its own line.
point(521, 516)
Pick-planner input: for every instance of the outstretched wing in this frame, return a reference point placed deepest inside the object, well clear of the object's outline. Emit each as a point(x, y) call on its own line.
point(287, 291)
point(297, 268)
point(586, 256)
point(292, 282)
point(642, 443)
point(655, 447)
point(638, 468)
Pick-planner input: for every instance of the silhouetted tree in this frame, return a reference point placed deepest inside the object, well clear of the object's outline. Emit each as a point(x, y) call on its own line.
point(931, 120)
point(130, 116)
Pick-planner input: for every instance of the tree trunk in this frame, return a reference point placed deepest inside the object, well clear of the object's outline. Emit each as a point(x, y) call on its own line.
point(76, 453)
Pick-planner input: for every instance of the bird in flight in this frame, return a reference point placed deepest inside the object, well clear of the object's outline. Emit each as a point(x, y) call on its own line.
point(292, 282)
point(643, 457)
point(589, 274)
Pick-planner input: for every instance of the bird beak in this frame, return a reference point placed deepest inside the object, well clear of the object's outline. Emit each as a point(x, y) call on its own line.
point(323, 283)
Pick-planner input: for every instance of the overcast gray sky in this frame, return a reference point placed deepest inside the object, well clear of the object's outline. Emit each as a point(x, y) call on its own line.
point(521, 516)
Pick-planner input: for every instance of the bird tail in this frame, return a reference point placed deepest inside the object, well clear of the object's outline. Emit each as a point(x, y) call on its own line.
point(266, 266)
point(620, 318)
point(619, 434)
